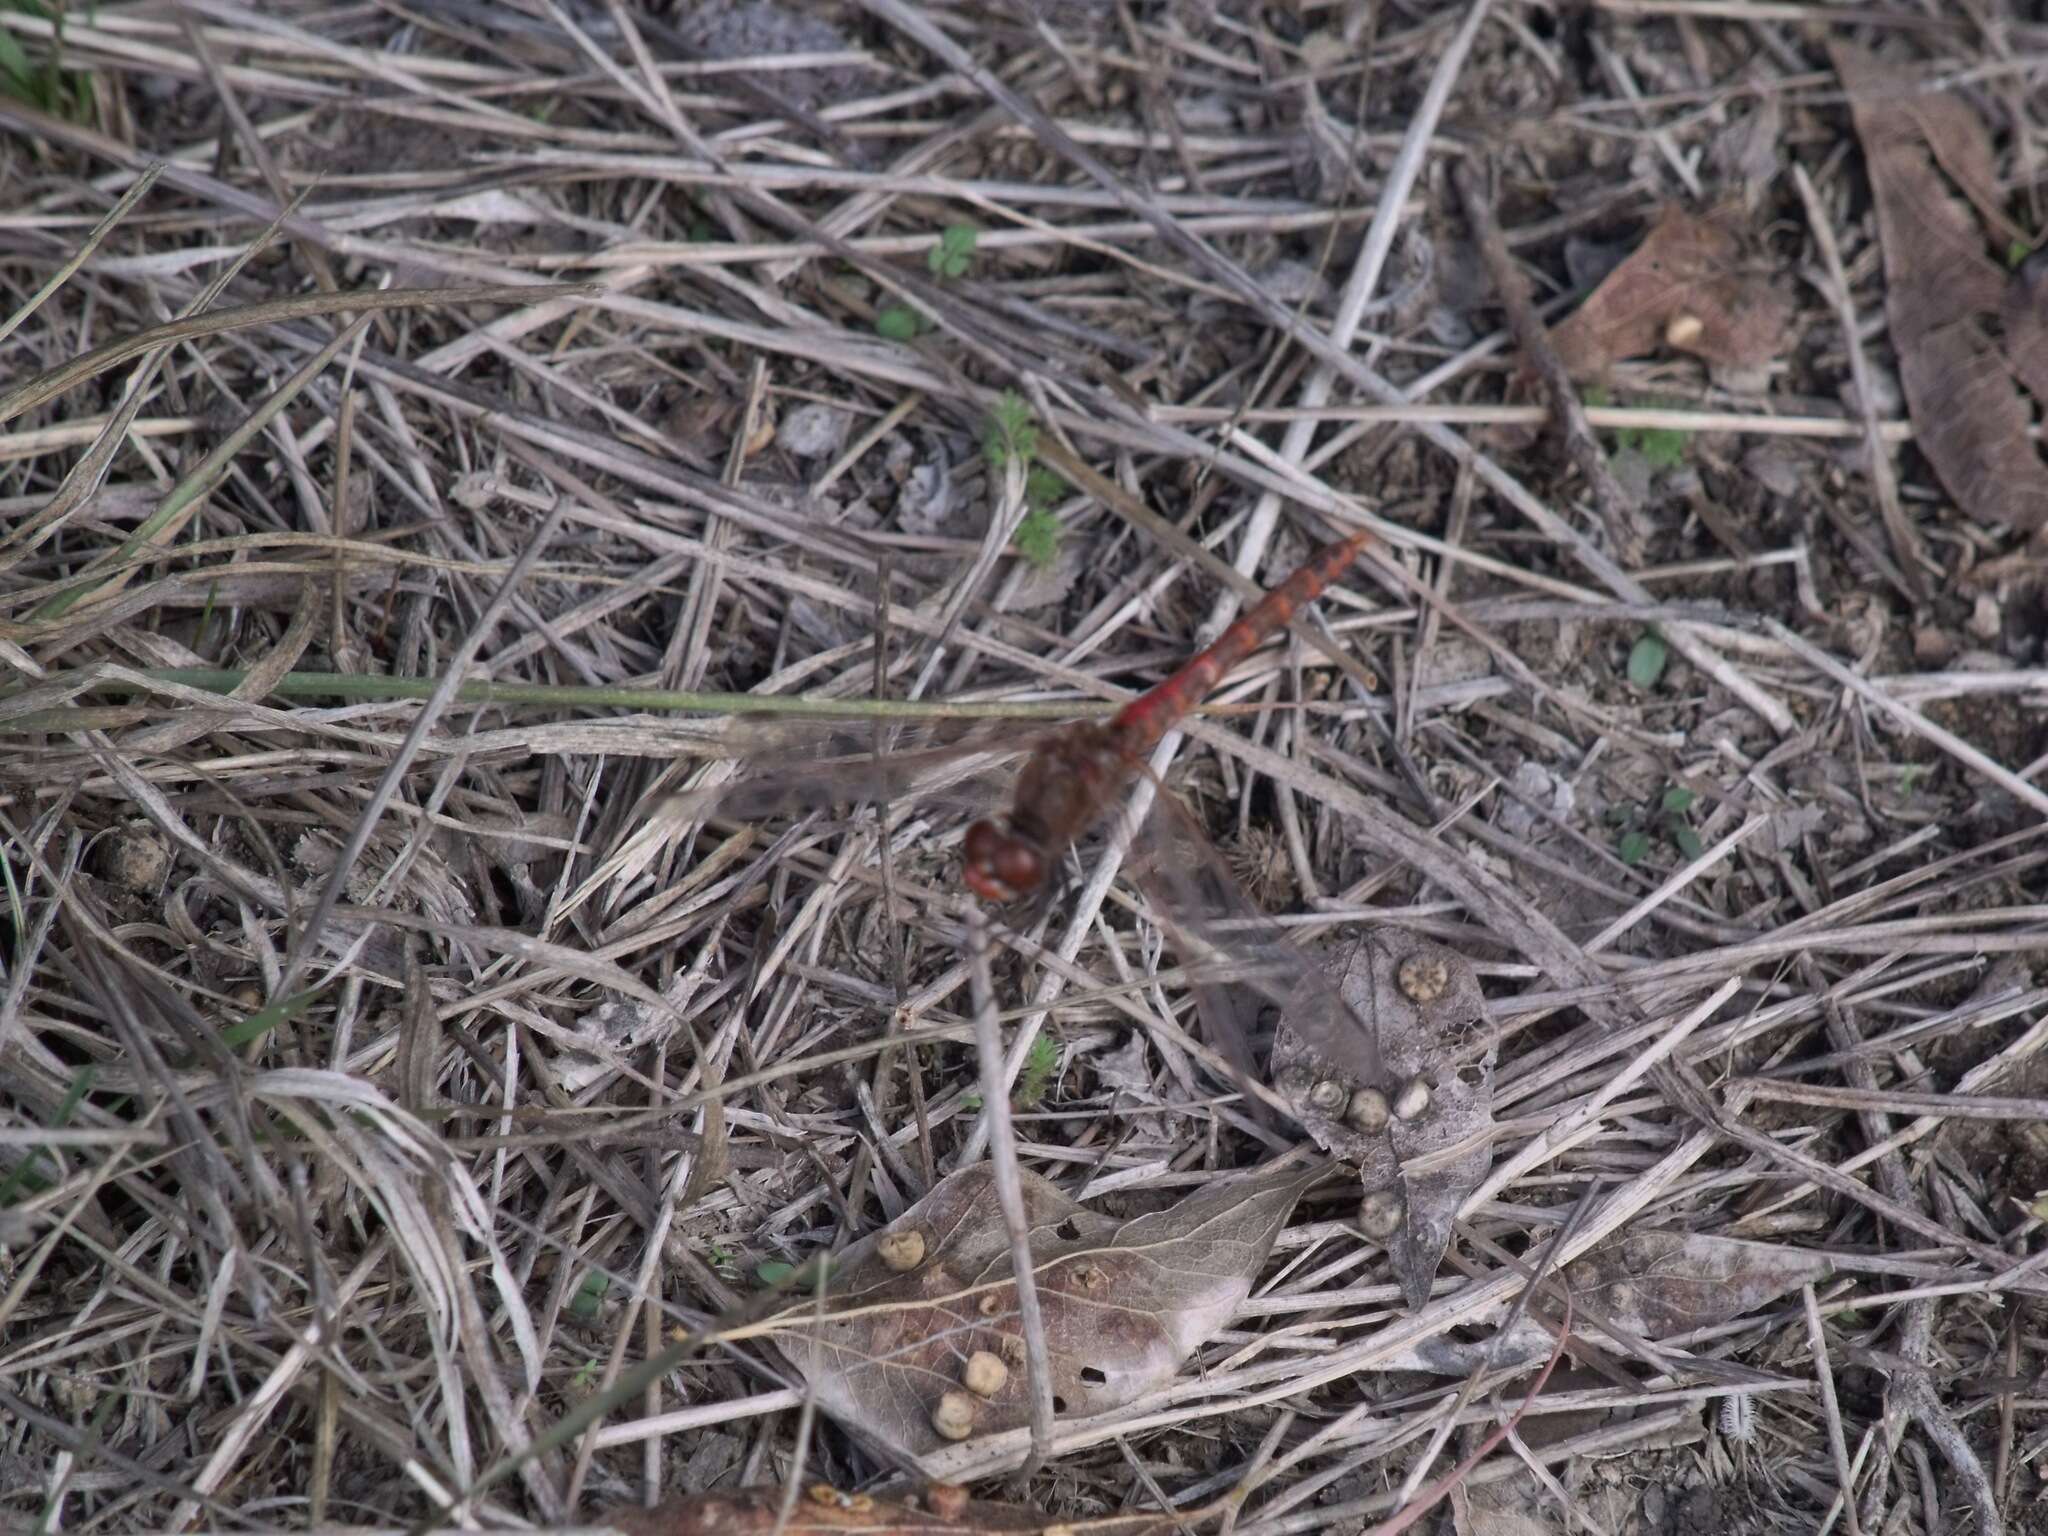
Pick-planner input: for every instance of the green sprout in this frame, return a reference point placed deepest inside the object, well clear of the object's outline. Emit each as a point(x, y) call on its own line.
point(44, 85)
point(590, 1292)
point(1669, 819)
point(898, 322)
point(1041, 1061)
point(955, 250)
point(1011, 433)
point(1659, 447)
point(1646, 660)
point(1037, 539)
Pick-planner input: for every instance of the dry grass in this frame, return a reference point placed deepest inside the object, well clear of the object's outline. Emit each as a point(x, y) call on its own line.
point(382, 1076)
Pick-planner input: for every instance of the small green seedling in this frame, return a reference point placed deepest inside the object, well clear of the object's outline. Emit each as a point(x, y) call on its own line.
point(954, 252)
point(898, 322)
point(1041, 1061)
point(1659, 447)
point(1037, 538)
point(1011, 433)
point(1669, 819)
point(1646, 660)
point(590, 1293)
point(44, 85)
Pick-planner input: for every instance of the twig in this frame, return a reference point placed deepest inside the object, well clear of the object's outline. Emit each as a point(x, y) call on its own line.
point(1824, 1373)
point(1567, 413)
point(995, 1095)
point(1905, 541)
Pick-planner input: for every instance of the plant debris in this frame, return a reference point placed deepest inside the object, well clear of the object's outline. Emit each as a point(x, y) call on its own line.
point(1125, 1303)
point(1689, 286)
point(1941, 292)
point(1421, 1149)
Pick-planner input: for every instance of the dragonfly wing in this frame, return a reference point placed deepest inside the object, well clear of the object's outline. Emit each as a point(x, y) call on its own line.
point(1198, 897)
point(762, 768)
point(782, 771)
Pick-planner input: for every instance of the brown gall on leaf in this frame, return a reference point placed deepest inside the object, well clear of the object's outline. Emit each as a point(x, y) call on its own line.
point(1125, 1303)
point(984, 1374)
point(954, 1414)
point(901, 1250)
point(1368, 1112)
point(1687, 286)
point(1379, 1213)
point(1423, 1140)
point(1970, 419)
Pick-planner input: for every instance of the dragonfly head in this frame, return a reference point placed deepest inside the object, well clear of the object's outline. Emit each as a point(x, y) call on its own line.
point(1001, 866)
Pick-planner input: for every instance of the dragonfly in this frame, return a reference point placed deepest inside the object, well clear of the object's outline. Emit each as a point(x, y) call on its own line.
point(1069, 783)
point(1071, 779)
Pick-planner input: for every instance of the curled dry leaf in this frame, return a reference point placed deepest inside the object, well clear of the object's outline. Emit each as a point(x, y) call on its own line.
point(1412, 1013)
point(1651, 1283)
point(941, 1510)
point(1663, 1283)
point(1969, 417)
point(1686, 286)
point(1125, 1303)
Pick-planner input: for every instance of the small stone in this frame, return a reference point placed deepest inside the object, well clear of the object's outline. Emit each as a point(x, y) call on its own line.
point(135, 858)
point(985, 1374)
point(1379, 1213)
point(812, 431)
point(1367, 1111)
point(1412, 1100)
point(1684, 330)
point(1987, 619)
point(1328, 1096)
point(1423, 978)
point(954, 1416)
point(901, 1251)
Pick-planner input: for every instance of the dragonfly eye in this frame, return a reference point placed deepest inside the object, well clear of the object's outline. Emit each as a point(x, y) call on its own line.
point(1000, 865)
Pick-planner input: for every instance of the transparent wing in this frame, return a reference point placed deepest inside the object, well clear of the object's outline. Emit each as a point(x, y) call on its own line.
point(1228, 942)
point(771, 765)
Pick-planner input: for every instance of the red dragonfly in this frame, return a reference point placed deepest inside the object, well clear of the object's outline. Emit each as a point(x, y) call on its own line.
point(1067, 786)
point(1074, 775)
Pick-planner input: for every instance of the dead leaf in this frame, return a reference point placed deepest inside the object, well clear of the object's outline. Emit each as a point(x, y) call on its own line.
point(941, 1510)
point(1969, 419)
point(2025, 313)
point(1662, 1283)
point(910, 1309)
point(1420, 1005)
point(1687, 286)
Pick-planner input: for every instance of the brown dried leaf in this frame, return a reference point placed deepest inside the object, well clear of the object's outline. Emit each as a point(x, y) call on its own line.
point(1687, 286)
point(1968, 417)
point(1125, 1302)
point(1425, 1013)
point(941, 1510)
point(1662, 1283)
point(2025, 313)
